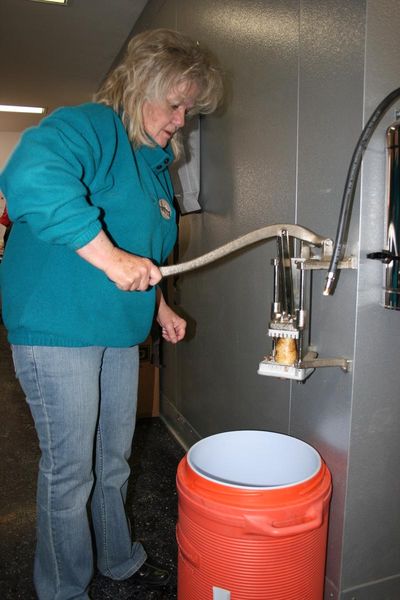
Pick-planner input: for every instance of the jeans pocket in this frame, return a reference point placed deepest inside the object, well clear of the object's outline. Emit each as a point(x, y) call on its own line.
point(26, 373)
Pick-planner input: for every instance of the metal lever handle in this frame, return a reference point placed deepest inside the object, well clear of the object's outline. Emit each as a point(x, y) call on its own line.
point(385, 256)
point(258, 235)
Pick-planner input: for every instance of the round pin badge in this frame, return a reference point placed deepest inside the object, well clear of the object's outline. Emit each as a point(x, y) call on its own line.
point(165, 209)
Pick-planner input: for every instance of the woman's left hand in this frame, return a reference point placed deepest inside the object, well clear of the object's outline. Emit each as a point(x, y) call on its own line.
point(173, 327)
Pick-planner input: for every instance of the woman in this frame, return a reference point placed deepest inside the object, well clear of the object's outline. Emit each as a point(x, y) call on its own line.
point(91, 201)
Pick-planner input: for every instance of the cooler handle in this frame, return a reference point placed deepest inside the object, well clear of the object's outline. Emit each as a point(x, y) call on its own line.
point(292, 526)
point(186, 549)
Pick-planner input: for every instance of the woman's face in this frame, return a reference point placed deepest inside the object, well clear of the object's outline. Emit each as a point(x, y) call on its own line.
point(162, 118)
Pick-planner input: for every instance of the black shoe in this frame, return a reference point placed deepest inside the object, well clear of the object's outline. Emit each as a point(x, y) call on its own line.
point(150, 576)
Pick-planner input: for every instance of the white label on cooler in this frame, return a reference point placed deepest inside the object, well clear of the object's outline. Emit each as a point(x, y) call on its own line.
point(220, 594)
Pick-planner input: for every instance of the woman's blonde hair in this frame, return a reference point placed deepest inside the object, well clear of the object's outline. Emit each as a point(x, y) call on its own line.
point(155, 62)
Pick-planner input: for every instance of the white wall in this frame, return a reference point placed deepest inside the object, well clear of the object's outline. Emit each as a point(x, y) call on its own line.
point(8, 141)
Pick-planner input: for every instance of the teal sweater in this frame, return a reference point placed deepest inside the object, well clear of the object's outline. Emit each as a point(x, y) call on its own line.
point(73, 175)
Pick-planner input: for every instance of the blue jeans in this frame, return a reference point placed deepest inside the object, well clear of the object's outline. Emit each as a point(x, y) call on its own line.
point(83, 402)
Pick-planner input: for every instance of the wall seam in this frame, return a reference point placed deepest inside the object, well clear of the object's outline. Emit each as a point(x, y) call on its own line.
point(296, 187)
point(357, 300)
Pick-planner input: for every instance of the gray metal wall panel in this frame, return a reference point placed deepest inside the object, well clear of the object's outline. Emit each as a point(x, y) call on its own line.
point(157, 13)
point(249, 162)
point(372, 533)
point(379, 590)
point(330, 121)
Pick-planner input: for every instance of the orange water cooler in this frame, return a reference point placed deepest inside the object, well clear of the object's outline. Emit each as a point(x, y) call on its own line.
point(253, 517)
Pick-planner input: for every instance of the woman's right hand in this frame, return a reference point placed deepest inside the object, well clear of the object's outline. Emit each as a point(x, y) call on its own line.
point(130, 272)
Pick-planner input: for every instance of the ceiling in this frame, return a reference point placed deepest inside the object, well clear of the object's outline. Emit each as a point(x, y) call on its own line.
point(53, 55)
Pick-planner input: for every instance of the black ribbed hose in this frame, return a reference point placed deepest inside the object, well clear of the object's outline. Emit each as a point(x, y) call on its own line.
point(351, 184)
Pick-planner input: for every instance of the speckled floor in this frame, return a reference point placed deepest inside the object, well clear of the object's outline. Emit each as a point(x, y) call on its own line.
point(152, 499)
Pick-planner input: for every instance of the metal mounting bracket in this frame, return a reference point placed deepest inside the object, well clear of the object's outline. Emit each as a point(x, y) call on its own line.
point(302, 370)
